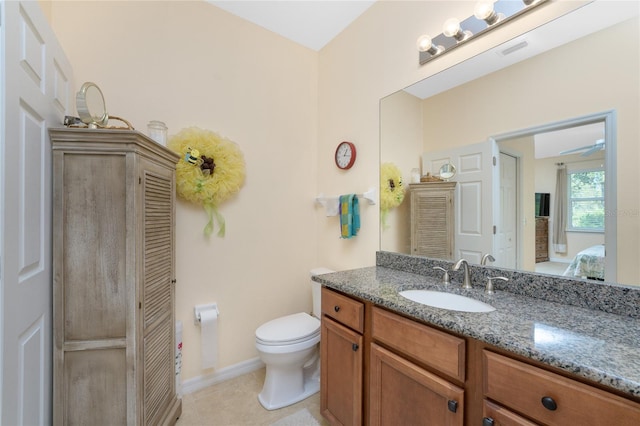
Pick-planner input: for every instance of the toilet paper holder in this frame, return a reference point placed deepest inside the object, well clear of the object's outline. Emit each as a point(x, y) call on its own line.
point(200, 308)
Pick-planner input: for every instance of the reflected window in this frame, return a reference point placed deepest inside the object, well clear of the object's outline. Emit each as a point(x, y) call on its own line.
point(586, 200)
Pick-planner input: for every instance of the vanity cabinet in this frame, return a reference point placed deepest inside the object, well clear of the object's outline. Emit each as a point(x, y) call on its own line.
point(542, 239)
point(403, 392)
point(432, 219)
point(341, 359)
point(413, 373)
point(113, 284)
point(550, 398)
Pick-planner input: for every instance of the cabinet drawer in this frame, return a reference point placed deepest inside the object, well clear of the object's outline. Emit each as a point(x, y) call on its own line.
point(431, 347)
point(495, 415)
point(530, 390)
point(343, 309)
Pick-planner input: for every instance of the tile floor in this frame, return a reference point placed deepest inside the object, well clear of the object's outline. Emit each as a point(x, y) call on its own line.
point(235, 403)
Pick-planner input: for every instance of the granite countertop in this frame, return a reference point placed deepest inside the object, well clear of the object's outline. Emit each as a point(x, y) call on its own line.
point(599, 346)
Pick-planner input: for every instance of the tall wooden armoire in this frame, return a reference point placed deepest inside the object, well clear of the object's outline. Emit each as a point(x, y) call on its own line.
point(114, 279)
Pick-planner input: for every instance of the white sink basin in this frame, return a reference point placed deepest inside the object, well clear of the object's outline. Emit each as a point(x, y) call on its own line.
point(453, 302)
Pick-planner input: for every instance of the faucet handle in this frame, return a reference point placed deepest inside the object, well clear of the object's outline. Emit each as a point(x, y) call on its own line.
point(489, 288)
point(445, 277)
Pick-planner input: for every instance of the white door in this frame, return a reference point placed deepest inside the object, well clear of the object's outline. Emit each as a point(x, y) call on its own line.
point(35, 87)
point(506, 241)
point(475, 194)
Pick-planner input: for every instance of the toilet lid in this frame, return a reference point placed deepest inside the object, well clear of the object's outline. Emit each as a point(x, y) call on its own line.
point(288, 329)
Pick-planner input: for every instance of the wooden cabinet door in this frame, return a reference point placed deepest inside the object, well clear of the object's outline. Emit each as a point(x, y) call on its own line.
point(158, 293)
point(404, 394)
point(432, 219)
point(340, 374)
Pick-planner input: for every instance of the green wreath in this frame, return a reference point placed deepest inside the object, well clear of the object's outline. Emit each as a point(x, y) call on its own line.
point(391, 190)
point(210, 171)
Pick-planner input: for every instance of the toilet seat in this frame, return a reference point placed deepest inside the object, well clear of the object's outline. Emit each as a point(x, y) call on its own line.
point(288, 330)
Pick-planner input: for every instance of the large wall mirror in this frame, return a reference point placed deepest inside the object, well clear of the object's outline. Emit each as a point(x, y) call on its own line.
point(558, 108)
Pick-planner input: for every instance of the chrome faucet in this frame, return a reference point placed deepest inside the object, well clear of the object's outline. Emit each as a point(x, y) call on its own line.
point(487, 257)
point(445, 278)
point(490, 288)
point(466, 282)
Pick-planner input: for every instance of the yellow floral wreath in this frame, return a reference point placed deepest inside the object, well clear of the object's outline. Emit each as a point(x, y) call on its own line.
point(211, 170)
point(391, 189)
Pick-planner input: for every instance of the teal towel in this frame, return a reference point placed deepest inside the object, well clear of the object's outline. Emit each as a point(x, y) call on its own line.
point(349, 216)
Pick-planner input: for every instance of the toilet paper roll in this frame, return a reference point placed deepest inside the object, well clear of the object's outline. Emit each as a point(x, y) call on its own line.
point(209, 338)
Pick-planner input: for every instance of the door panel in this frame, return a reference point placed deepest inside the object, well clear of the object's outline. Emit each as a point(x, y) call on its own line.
point(506, 238)
point(475, 197)
point(36, 84)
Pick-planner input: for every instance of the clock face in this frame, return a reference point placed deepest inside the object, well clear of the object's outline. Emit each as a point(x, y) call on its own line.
point(345, 155)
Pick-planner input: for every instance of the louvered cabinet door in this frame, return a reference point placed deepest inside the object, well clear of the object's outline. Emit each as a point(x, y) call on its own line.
point(432, 219)
point(158, 339)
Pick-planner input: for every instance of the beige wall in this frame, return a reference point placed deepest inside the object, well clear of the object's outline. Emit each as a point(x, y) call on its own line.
point(191, 64)
point(564, 83)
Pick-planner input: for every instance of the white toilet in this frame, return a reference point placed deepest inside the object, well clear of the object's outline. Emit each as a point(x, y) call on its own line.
point(289, 347)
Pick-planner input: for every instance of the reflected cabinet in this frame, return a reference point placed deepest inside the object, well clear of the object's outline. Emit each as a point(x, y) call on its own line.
point(113, 285)
point(432, 219)
point(542, 239)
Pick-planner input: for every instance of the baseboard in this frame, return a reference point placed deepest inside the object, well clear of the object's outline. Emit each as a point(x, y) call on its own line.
point(560, 260)
point(200, 382)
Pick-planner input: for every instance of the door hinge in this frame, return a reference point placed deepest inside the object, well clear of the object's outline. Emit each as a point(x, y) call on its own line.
point(495, 160)
point(139, 305)
point(139, 180)
point(494, 230)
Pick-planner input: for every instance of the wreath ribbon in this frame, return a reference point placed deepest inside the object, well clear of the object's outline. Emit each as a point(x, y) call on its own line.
point(212, 212)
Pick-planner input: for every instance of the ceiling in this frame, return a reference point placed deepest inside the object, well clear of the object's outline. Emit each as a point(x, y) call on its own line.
point(551, 144)
point(312, 23)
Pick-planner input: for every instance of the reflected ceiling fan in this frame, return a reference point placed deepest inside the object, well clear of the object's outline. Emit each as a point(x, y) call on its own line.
point(588, 149)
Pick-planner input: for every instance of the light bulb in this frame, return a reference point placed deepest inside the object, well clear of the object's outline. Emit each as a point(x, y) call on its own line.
point(483, 9)
point(424, 43)
point(451, 27)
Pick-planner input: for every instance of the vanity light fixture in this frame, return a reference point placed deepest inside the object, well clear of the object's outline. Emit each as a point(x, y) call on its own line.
point(488, 14)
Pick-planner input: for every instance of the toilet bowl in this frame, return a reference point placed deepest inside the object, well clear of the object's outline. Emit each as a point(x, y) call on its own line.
point(289, 347)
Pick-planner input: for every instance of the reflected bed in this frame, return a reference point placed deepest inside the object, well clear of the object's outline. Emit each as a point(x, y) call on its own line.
point(589, 263)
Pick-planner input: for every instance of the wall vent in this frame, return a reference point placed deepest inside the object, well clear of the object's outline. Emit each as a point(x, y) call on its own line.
point(513, 48)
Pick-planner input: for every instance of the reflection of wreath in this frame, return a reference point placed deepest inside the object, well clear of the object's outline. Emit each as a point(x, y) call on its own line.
point(210, 171)
point(391, 189)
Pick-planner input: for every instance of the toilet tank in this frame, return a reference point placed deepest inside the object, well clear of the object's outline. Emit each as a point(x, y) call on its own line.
point(315, 291)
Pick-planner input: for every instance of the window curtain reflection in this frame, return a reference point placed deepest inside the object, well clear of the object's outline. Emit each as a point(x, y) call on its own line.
point(560, 211)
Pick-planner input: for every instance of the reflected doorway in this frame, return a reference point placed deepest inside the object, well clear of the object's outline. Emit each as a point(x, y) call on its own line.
point(529, 160)
point(507, 233)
